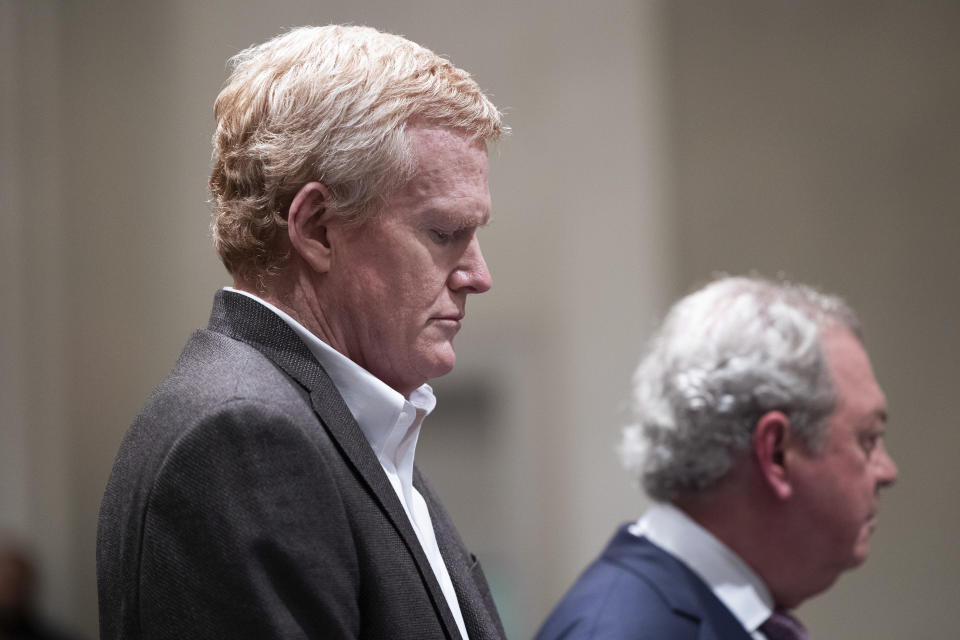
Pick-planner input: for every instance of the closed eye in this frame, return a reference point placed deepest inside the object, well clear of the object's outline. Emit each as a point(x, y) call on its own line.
point(868, 442)
point(441, 237)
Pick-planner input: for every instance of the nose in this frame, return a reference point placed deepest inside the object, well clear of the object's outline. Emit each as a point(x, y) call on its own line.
point(471, 273)
point(887, 471)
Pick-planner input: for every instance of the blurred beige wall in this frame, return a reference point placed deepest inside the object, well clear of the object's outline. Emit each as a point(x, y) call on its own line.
point(822, 139)
point(653, 144)
point(577, 224)
point(37, 506)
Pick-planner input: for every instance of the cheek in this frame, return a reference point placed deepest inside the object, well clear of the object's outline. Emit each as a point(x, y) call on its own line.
point(856, 508)
point(403, 293)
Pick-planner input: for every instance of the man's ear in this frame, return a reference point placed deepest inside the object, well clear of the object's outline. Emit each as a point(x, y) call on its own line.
point(770, 439)
point(307, 222)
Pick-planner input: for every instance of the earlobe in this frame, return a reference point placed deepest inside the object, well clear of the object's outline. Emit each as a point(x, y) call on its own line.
point(770, 438)
point(307, 221)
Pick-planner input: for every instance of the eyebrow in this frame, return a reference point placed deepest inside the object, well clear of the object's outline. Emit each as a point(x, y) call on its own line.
point(869, 420)
point(457, 222)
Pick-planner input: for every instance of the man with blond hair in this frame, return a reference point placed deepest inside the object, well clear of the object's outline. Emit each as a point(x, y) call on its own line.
point(759, 434)
point(268, 487)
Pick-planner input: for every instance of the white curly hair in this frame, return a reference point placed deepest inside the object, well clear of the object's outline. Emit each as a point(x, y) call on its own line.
point(725, 355)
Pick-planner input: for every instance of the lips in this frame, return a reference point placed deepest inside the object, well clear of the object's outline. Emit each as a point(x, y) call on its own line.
point(455, 316)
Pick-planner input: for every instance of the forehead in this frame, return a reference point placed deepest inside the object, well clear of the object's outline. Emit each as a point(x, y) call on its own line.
point(451, 173)
point(428, 141)
point(858, 393)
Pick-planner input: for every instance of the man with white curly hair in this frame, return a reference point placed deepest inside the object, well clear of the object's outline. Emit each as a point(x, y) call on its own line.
point(268, 487)
point(759, 435)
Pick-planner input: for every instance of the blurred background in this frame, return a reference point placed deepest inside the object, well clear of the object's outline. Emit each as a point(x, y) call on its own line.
point(654, 143)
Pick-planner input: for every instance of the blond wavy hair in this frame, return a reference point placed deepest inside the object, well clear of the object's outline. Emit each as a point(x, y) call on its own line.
point(327, 104)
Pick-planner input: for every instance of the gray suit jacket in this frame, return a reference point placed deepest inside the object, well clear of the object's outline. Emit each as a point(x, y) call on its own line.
point(245, 502)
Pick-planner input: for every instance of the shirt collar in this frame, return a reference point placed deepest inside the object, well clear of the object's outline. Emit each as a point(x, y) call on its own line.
point(728, 576)
point(390, 422)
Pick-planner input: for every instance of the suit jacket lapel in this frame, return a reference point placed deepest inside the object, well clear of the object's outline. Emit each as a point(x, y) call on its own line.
point(473, 593)
point(247, 320)
point(688, 595)
point(344, 429)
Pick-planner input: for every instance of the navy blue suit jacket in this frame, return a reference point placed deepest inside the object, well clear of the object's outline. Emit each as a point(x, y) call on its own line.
point(637, 591)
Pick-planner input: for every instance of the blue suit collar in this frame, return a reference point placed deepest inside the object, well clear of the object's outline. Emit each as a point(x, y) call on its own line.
point(685, 592)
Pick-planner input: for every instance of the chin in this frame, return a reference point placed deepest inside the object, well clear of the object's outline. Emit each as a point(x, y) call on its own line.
point(861, 554)
point(441, 364)
point(862, 549)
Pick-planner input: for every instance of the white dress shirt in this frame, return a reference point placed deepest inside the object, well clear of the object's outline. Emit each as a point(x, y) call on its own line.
point(391, 424)
point(731, 580)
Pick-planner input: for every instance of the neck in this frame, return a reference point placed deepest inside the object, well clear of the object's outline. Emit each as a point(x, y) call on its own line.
point(297, 295)
point(293, 292)
point(755, 526)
